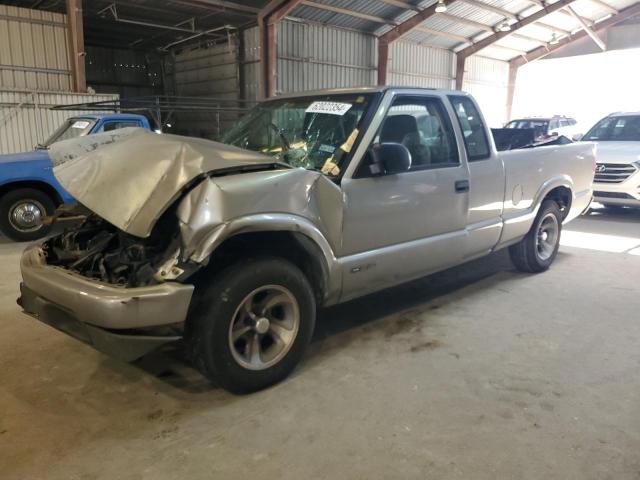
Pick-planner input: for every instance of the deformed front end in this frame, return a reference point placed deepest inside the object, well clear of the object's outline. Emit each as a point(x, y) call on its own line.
point(122, 280)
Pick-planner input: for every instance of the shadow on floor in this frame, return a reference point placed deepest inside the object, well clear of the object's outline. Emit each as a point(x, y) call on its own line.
point(347, 320)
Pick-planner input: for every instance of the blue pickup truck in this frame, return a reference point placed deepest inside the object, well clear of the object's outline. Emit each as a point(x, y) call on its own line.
point(29, 191)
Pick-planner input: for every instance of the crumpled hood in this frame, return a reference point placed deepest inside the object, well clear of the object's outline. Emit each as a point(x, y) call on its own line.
point(130, 176)
point(36, 155)
point(618, 152)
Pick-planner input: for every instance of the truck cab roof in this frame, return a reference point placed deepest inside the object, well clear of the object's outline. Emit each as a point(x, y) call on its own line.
point(110, 116)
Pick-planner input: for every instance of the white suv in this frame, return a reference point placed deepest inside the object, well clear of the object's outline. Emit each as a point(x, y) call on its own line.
point(617, 178)
point(548, 127)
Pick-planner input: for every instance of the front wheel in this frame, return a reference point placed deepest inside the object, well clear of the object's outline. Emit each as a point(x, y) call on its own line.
point(251, 326)
point(537, 251)
point(22, 212)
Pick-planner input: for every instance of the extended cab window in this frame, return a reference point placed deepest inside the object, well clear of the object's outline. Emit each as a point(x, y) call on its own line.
point(475, 137)
point(422, 125)
point(109, 126)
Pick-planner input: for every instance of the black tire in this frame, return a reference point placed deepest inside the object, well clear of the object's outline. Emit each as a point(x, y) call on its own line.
point(11, 200)
point(219, 304)
point(526, 255)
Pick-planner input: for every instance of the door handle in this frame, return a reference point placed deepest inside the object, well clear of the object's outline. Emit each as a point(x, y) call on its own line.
point(462, 186)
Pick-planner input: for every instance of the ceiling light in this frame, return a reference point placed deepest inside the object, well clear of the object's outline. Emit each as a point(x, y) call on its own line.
point(504, 27)
point(554, 39)
point(441, 7)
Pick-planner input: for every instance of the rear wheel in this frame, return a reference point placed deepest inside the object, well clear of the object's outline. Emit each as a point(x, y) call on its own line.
point(22, 212)
point(251, 326)
point(537, 251)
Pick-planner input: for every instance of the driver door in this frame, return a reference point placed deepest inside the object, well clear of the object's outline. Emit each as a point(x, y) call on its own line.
point(405, 225)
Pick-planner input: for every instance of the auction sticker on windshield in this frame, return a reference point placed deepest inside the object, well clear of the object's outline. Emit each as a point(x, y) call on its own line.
point(332, 108)
point(80, 124)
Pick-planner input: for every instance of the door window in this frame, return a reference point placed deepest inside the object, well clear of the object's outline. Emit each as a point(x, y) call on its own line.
point(422, 125)
point(475, 136)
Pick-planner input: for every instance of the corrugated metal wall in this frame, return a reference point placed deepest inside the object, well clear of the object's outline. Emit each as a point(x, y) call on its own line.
point(487, 80)
point(33, 50)
point(312, 56)
point(251, 64)
point(416, 65)
point(212, 72)
point(25, 118)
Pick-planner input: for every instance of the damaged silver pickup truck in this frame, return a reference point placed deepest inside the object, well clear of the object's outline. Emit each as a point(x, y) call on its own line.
point(311, 200)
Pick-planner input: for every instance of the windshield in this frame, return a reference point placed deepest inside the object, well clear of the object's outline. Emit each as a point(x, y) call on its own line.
point(71, 128)
point(315, 133)
point(621, 128)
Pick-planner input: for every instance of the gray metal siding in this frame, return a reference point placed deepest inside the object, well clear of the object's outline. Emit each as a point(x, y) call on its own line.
point(212, 72)
point(33, 50)
point(312, 56)
point(416, 65)
point(25, 118)
point(251, 64)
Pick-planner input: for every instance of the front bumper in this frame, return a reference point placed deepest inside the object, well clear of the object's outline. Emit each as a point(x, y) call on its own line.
point(122, 322)
point(625, 193)
point(606, 196)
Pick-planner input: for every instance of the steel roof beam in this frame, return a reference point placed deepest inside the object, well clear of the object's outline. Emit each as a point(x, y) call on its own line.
point(542, 4)
point(587, 28)
point(598, 26)
point(514, 27)
point(463, 54)
point(513, 16)
point(540, 52)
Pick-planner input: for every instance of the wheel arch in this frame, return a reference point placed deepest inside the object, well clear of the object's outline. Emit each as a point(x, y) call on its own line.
point(284, 236)
point(558, 189)
point(35, 184)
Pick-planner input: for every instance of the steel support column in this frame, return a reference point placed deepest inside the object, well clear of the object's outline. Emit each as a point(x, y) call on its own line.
point(511, 88)
point(75, 33)
point(268, 18)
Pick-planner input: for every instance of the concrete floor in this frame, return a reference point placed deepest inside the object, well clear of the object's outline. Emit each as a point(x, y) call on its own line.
point(477, 373)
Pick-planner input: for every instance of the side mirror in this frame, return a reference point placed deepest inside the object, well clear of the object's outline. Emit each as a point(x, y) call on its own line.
point(577, 137)
point(393, 157)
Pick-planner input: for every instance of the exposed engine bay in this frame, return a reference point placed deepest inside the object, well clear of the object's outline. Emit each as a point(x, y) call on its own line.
point(96, 249)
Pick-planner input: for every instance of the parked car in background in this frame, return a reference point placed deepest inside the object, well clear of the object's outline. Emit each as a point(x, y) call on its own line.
point(312, 200)
point(617, 178)
point(28, 189)
point(548, 127)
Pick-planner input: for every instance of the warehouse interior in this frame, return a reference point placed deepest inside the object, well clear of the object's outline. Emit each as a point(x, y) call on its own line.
point(478, 371)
